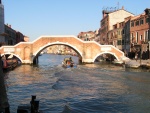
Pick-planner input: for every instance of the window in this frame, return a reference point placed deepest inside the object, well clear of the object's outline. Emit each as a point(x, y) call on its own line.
point(122, 31)
point(132, 37)
point(136, 37)
point(141, 37)
point(122, 42)
point(148, 35)
point(137, 23)
point(132, 24)
point(119, 42)
point(118, 32)
point(141, 22)
point(147, 20)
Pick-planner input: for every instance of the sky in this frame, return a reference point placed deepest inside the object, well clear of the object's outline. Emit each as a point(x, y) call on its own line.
point(35, 18)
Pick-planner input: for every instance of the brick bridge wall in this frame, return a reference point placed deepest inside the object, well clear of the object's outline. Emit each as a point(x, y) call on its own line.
point(88, 50)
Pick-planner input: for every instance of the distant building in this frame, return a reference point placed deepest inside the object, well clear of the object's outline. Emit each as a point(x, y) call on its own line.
point(10, 37)
point(87, 36)
point(19, 37)
point(109, 19)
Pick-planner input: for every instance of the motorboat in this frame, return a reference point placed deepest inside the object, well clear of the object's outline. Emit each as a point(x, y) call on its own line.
point(68, 63)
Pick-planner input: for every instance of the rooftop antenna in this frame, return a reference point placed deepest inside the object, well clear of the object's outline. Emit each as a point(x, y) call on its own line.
point(118, 5)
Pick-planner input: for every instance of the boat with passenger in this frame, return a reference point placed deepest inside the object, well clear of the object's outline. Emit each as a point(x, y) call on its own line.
point(68, 63)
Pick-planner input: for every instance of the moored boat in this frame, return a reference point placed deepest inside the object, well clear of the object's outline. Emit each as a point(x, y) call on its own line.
point(9, 63)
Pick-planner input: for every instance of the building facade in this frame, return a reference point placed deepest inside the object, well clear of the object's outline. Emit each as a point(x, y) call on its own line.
point(2, 38)
point(110, 18)
point(20, 37)
point(115, 36)
point(139, 31)
point(10, 37)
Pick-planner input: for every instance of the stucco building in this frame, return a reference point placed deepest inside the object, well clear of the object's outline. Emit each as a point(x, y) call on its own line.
point(115, 36)
point(110, 18)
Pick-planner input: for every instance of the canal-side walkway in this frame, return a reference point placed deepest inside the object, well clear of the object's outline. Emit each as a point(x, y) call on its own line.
point(143, 63)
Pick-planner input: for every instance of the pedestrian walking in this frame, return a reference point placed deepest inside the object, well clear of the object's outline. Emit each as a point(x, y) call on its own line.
point(136, 56)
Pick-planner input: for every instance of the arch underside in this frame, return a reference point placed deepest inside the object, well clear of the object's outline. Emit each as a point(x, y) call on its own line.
point(57, 43)
point(105, 53)
point(17, 56)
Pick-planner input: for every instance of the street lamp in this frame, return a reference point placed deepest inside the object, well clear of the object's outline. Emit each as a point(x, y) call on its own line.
point(147, 12)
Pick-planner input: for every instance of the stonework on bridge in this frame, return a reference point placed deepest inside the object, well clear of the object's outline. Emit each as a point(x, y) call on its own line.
point(87, 50)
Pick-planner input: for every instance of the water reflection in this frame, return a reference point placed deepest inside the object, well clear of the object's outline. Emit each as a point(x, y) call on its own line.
point(90, 88)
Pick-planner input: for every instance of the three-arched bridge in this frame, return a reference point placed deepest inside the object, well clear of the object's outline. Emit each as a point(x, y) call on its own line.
point(26, 52)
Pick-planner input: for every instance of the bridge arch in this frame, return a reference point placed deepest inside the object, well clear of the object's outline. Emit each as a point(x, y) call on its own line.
point(56, 43)
point(105, 53)
point(17, 56)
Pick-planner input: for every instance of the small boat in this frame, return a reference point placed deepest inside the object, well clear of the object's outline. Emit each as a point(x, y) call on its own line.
point(10, 63)
point(68, 63)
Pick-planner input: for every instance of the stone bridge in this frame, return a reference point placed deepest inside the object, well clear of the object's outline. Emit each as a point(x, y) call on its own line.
point(87, 50)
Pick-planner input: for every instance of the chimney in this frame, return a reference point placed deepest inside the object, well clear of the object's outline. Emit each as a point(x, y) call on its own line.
point(9, 26)
point(122, 7)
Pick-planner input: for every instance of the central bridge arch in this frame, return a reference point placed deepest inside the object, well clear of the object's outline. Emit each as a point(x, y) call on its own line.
point(57, 43)
point(88, 50)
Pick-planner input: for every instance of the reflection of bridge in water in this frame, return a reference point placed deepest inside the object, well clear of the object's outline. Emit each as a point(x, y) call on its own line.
point(27, 52)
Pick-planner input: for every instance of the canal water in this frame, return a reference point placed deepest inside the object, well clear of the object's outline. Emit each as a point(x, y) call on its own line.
point(90, 88)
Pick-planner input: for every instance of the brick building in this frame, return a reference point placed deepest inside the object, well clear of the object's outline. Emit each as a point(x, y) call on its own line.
point(139, 31)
